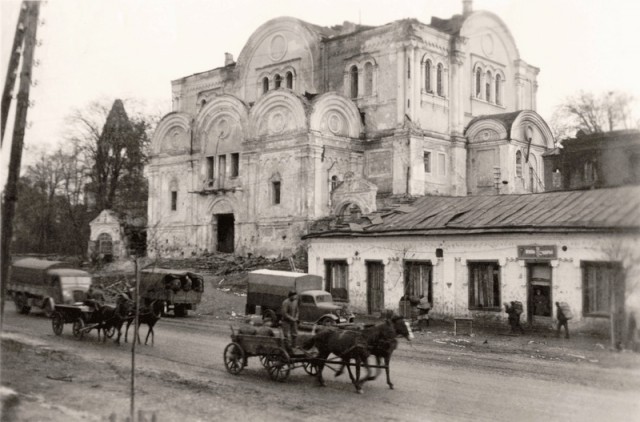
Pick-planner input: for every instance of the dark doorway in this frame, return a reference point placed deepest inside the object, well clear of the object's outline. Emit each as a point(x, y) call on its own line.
point(225, 232)
point(540, 300)
point(375, 286)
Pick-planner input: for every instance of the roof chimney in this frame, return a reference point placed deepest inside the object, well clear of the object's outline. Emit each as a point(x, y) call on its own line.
point(228, 59)
point(467, 7)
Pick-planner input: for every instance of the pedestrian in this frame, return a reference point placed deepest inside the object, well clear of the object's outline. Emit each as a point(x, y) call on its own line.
point(290, 319)
point(423, 311)
point(514, 312)
point(564, 315)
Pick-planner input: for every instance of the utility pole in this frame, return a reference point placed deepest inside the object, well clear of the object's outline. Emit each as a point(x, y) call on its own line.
point(14, 61)
point(135, 338)
point(11, 189)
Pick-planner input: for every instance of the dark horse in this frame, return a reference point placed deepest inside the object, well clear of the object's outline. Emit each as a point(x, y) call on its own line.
point(113, 317)
point(149, 314)
point(346, 345)
point(381, 341)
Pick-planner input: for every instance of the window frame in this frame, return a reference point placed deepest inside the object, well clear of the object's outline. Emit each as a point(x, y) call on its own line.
point(428, 65)
point(471, 302)
point(519, 172)
point(235, 165)
point(174, 200)
point(440, 80)
point(353, 80)
point(265, 85)
point(406, 274)
point(586, 309)
point(428, 154)
point(329, 279)
point(276, 192)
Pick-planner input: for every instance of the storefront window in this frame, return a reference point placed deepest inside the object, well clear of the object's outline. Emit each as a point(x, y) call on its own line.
point(484, 285)
point(599, 278)
point(337, 280)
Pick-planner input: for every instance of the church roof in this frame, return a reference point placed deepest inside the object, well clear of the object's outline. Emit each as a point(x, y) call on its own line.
point(612, 209)
point(506, 119)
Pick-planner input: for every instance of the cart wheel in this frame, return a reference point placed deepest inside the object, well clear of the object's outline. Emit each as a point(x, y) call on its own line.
point(310, 368)
point(110, 332)
point(78, 328)
point(278, 365)
point(234, 358)
point(57, 323)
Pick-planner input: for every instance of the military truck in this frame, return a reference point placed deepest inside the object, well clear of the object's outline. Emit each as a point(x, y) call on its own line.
point(267, 289)
point(180, 291)
point(40, 283)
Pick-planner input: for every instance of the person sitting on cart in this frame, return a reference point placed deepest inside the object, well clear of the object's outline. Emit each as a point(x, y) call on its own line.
point(290, 317)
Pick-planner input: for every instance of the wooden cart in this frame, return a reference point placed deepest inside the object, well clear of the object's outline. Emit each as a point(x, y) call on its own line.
point(83, 318)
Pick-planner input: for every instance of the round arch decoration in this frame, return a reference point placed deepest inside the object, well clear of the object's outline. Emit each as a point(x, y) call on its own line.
point(172, 134)
point(500, 32)
point(529, 117)
point(334, 114)
point(486, 130)
point(221, 206)
point(221, 116)
point(340, 207)
point(278, 112)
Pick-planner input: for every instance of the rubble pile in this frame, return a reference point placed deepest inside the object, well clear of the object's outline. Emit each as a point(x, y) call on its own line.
point(225, 264)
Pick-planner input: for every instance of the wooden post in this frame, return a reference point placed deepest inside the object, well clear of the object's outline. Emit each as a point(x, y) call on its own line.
point(133, 347)
point(11, 189)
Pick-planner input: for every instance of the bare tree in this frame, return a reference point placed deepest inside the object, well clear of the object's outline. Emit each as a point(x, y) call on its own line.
point(591, 113)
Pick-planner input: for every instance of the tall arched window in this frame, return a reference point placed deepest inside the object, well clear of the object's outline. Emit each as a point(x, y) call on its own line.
point(289, 80)
point(353, 73)
point(439, 87)
point(265, 85)
point(478, 82)
point(427, 76)
point(518, 164)
point(277, 81)
point(368, 78)
point(488, 87)
point(498, 89)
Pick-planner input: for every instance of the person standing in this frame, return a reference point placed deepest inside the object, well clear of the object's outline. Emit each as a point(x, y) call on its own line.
point(290, 317)
point(563, 319)
point(514, 312)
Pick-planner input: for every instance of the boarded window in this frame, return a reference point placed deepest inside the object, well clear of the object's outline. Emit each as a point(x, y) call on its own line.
point(439, 80)
point(484, 285)
point(417, 279)
point(222, 168)
point(337, 279)
point(518, 164)
point(235, 164)
point(599, 278)
point(478, 82)
point(275, 188)
point(105, 244)
point(427, 161)
point(488, 87)
point(427, 77)
point(368, 79)
point(442, 164)
point(498, 89)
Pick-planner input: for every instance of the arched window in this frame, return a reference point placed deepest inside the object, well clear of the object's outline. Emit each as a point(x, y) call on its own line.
point(439, 87)
point(518, 164)
point(488, 87)
point(353, 73)
point(368, 78)
point(265, 85)
point(105, 244)
point(478, 82)
point(289, 80)
point(334, 183)
point(277, 81)
point(427, 76)
point(498, 89)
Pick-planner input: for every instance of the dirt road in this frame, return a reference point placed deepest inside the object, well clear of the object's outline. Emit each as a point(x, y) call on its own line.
point(182, 377)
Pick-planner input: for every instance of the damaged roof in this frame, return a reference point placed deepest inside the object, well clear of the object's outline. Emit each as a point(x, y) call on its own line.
point(614, 209)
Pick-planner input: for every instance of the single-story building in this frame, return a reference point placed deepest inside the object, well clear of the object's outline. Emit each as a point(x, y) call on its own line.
point(472, 255)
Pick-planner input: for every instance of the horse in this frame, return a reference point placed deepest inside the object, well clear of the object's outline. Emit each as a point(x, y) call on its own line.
point(114, 317)
point(149, 314)
point(346, 345)
point(381, 342)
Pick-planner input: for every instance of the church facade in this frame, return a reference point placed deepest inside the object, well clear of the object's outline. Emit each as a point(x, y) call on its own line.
point(313, 122)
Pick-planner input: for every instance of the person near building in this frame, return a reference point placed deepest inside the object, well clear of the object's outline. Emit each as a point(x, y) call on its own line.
point(290, 317)
point(514, 311)
point(563, 315)
point(423, 312)
point(540, 304)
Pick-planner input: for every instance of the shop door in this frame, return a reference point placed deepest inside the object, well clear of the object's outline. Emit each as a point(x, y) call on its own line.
point(375, 286)
point(540, 303)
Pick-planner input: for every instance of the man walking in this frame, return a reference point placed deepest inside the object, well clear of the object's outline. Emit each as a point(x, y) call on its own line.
point(564, 314)
point(514, 312)
point(290, 319)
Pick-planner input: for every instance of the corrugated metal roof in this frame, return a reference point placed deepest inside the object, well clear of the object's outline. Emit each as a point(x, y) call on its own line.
point(608, 209)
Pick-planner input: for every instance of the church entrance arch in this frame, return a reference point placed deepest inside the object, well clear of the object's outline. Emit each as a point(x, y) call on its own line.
point(223, 226)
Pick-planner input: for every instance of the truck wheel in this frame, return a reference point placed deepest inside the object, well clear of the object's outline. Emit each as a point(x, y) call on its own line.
point(327, 321)
point(20, 301)
point(180, 311)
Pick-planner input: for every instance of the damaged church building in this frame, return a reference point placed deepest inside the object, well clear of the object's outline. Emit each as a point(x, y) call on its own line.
point(312, 122)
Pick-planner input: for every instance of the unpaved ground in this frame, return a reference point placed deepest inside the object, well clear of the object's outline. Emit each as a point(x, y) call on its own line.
point(442, 376)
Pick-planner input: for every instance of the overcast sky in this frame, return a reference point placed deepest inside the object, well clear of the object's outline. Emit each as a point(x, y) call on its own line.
point(93, 49)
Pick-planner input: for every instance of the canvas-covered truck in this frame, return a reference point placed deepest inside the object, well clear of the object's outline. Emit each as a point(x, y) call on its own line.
point(267, 289)
point(43, 284)
point(180, 291)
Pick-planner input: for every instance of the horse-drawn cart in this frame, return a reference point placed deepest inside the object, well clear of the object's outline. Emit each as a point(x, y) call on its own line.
point(83, 317)
point(271, 351)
